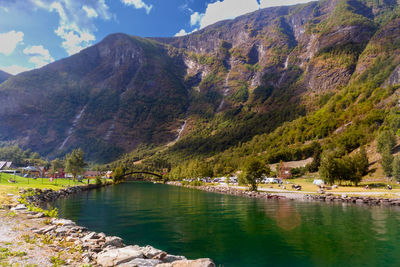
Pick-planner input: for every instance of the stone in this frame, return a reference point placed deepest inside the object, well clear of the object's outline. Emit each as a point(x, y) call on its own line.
point(70, 239)
point(45, 230)
point(141, 263)
point(61, 231)
point(150, 252)
point(344, 196)
point(63, 222)
point(189, 263)
point(321, 191)
point(118, 256)
point(113, 241)
point(359, 201)
point(171, 258)
point(160, 256)
point(91, 235)
point(19, 207)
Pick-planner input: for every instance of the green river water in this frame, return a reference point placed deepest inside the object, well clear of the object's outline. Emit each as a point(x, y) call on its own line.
point(236, 231)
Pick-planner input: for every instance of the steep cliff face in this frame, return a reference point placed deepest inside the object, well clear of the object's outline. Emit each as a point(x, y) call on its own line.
point(209, 90)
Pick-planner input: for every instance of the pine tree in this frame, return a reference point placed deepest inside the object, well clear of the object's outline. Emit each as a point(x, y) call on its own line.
point(387, 162)
point(396, 168)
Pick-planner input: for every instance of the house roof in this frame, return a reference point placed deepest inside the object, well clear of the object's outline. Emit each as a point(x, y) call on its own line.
point(5, 164)
point(91, 173)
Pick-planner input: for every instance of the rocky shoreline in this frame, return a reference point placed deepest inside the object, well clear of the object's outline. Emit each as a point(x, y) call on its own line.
point(96, 249)
point(328, 197)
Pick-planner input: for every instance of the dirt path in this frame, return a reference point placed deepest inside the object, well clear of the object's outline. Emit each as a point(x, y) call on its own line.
point(20, 247)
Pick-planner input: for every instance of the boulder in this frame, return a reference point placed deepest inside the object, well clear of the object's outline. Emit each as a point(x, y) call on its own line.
point(19, 207)
point(118, 256)
point(63, 222)
point(45, 230)
point(113, 241)
point(171, 258)
point(91, 235)
point(141, 263)
point(150, 252)
point(189, 263)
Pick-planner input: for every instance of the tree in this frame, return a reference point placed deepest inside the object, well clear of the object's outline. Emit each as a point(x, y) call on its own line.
point(56, 165)
point(328, 169)
point(254, 169)
point(361, 162)
point(386, 141)
point(118, 174)
point(75, 163)
point(314, 165)
point(387, 162)
point(396, 168)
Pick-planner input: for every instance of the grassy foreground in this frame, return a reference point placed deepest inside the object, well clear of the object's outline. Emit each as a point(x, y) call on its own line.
point(23, 183)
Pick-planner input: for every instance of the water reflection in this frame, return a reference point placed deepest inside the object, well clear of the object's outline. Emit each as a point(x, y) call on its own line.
point(287, 217)
point(237, 231)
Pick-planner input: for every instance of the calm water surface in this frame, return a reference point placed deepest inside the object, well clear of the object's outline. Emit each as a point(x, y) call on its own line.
point(236, 231)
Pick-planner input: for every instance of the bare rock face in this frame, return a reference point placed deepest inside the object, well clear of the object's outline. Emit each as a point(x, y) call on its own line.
point(394, 78)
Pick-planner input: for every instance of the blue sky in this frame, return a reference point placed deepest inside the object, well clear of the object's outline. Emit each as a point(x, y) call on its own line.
point(34, 33)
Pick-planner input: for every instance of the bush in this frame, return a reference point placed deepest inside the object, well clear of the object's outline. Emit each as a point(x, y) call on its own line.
point(99, 180)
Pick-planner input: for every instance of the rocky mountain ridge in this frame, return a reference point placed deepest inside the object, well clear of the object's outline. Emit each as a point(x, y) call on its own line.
point(206, 91)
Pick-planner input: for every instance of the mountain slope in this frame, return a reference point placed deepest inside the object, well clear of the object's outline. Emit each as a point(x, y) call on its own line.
point(214, 91)
point(4, 76)
point(106, 99)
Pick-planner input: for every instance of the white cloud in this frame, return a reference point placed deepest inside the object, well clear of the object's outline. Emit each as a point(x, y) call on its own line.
point(9, 41)
point(91, 13)
point(196, 18)
point(39, 55)
point(14, 69)
point(182, 32)
point(222, 10)
point(76, 26)
point(270, 3)
point(230, 9)
point(138, 4)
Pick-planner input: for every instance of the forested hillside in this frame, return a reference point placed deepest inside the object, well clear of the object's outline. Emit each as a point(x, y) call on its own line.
point(274, 84)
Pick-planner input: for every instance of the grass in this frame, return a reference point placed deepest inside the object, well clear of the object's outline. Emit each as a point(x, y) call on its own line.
point(307, 185)
point(24, 183)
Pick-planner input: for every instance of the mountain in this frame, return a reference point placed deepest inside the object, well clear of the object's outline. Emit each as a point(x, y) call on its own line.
point(4, 76)
point(228, 90)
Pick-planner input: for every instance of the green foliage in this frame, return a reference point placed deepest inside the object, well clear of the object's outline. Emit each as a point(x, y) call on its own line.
point(56, 165)
point(386, 141)
point(75, 162)
point(387, 162)
point(253, 170)
point(337, 168)
point(396, 168)
point(99, 180)
point(118, 174)
point(314, 165)
point(18, 156)
point(298, 172)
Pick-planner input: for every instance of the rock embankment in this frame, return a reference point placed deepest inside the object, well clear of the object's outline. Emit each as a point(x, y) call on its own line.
point(97, 249)
point(299, 196)
point(354, 199)
point(232, 191)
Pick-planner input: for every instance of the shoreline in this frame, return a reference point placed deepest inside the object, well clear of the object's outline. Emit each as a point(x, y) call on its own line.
point(70, 244)
point(295, 196)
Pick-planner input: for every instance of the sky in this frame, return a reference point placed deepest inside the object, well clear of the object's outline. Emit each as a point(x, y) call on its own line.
point(34, 33)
